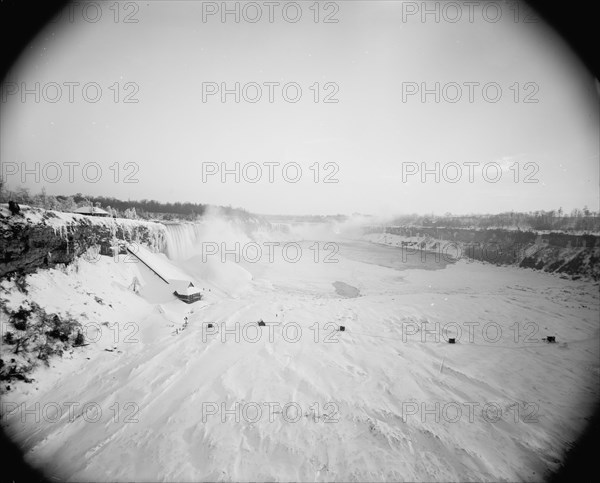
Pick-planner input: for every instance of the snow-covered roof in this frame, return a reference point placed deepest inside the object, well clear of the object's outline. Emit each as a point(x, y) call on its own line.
point(184, 287)
point(91, 210)
point(189, 291)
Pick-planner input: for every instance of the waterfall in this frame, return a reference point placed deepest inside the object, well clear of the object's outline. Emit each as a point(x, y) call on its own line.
point(183, 240)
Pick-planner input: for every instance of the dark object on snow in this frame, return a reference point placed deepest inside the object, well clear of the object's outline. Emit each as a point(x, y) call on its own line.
point(342, 328)
point(261, 323)
point(452, 340)
point(551, 339)
point(210, 326)
point(79, 339)
point(14, 208)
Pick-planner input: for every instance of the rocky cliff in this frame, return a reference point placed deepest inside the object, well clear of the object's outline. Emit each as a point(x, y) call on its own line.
point(38, 238)
point(574, 255)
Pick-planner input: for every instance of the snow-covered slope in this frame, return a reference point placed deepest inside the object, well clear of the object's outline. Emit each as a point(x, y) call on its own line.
point(382, 400)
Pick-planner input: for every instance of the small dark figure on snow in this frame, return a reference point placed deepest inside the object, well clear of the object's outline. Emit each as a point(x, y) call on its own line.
point(14, 208)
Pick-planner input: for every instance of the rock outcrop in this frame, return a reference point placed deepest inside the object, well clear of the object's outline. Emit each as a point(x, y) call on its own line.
point(38, 238)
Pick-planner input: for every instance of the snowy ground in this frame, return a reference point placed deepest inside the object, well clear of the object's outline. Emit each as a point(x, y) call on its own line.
point(386, 399)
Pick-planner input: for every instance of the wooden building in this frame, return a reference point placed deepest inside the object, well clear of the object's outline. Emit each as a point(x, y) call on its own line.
point(187, 292)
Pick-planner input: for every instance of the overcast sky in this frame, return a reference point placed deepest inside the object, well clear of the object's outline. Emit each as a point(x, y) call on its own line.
point(376, 52)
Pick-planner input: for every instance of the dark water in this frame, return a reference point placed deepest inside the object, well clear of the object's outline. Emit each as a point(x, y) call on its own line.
point(398, 258)
point(345, 290)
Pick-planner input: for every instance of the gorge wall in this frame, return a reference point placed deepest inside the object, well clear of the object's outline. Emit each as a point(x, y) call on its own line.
point(574, 255)
point(38, 238)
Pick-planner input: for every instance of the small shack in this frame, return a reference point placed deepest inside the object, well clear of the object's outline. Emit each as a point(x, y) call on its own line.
point(91, 211)
point(186, 292)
